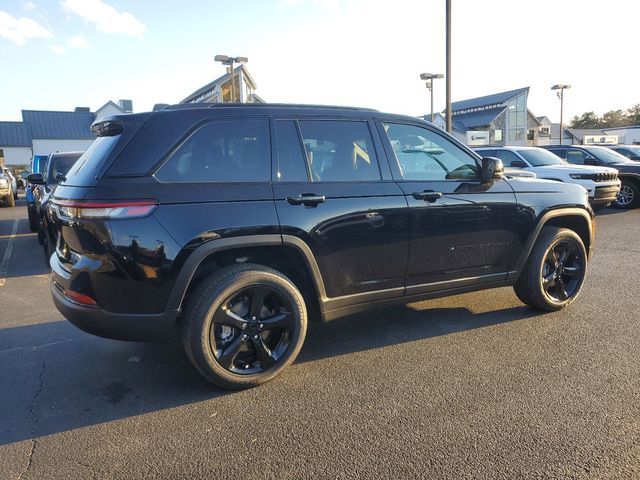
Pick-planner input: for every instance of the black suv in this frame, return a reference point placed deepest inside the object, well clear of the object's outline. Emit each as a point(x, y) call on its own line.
point(628, 170)
point(239, 222)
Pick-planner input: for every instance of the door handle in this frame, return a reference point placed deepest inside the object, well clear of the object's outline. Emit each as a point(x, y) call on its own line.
point(307, 199)
point(427, 195)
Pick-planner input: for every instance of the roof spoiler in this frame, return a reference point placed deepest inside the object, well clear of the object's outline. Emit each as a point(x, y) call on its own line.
point(107, 128)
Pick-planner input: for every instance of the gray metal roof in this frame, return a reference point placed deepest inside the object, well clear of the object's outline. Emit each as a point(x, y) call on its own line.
point(494, 99)
point(481, 118)
point(14, 134)
point(59, 125)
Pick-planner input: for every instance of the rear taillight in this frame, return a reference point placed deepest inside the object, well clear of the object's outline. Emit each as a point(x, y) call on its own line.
point(80, 298)
point(74, 209)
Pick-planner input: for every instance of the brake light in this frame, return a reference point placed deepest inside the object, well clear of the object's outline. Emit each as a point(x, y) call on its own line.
point(80, 298)
point(74, 209)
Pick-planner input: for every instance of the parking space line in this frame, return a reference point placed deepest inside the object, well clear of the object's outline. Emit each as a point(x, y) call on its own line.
point(18, 235)
point(4, 266)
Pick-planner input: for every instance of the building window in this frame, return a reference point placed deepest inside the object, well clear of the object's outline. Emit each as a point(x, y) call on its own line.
point(531, 134)
point(497, 135)
point(516, 134)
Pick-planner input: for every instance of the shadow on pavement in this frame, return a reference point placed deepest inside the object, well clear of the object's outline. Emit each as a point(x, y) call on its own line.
point(56, 378)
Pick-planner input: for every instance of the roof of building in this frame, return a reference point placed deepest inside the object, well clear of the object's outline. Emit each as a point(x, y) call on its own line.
point(51, 124)
point(628, 127)
point(112, 104)
point(237, 70)
point(480, 118)
point(579, 133)
point(14, 134)
point(494, 99)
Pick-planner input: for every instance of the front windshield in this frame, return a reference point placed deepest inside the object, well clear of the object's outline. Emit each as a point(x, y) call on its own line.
point(606, 155)
point(538, 157)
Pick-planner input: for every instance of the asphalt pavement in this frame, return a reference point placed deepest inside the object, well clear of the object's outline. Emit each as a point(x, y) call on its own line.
point(470, 386)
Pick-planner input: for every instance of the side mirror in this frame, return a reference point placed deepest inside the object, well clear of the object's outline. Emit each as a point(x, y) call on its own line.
point(35, 178)
point(492, 169)
point(518, 164)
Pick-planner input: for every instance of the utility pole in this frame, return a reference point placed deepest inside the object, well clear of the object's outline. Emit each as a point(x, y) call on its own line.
point(448, 66)
point(561, 87)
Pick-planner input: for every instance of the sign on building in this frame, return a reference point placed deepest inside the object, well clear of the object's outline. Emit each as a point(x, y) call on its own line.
point(477, 137)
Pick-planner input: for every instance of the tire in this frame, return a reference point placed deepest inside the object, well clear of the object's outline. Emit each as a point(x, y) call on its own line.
point(33, 222)
point(629, 196)
point(214, 298)
point(549, 282)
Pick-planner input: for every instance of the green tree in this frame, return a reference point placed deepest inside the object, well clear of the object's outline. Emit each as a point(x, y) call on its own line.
point(633, 114)
point(586, 120)
point(614, 118)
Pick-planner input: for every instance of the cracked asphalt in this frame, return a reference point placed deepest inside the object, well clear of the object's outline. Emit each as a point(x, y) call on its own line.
point(471, 386)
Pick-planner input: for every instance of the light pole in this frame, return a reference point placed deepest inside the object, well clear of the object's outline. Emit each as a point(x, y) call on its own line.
point(562, 88)
point(429, 78)
point(227, 60)
point(448, 66)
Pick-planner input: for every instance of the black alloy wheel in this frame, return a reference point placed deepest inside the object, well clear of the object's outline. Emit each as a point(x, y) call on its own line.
point(251, 330)
point(562, 270)
point(243, 325)
point(554, 272)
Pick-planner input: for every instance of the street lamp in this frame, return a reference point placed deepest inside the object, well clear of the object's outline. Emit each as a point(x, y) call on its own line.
point(562, 88)
point(227, 60)
point(429, 78)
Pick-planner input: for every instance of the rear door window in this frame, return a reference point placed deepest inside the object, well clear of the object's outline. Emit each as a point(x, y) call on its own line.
point(339, 151)
point(291, 166)
point(222, 151)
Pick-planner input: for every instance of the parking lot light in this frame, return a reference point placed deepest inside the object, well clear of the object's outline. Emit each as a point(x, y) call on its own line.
point(227, 60)
point(429, 78)
point(561, 87)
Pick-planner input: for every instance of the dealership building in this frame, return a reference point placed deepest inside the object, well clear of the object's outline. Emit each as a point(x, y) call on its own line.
point(498, 119)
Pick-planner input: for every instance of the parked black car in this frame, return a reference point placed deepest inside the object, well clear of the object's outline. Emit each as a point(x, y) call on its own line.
point(239, 222)
point(628, 170)
point(632, 152)
point(56, 167)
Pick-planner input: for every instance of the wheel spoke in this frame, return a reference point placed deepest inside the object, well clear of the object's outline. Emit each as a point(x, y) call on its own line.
point(561, 289)
point(566, 251)
point(549, 280)
point(258, 296)
point(551, 257)
point(224, 316)
point(572, 271)
point(283, 320)
point(230, 353)
point(263, 353)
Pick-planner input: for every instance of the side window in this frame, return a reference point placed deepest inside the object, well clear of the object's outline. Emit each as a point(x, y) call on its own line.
point(576, 157)
point(425, 155)
point(339, 151)
point(508, 157)
point(222, 151)
point(562, 153)
point(487, 153)
point(292, 166)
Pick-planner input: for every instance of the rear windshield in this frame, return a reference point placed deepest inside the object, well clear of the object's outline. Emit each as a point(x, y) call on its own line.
point(88, 165)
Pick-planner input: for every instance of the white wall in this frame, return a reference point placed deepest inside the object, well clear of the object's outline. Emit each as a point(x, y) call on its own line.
point(45, 147)
point(626, 136)
point(17, 155)
point(107, 110)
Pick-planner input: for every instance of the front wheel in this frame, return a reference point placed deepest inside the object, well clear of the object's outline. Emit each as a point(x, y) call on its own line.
point(244, 325)
point(554, 273)
point(629, 195)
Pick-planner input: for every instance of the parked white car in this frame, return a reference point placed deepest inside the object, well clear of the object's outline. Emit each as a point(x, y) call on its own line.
point(601, 183)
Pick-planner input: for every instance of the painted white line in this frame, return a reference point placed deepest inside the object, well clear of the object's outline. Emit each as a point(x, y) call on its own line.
point(4, 266)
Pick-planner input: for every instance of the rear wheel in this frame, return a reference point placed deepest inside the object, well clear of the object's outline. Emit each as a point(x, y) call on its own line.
point(243, 325)
point(629, 195)
point(554, 273)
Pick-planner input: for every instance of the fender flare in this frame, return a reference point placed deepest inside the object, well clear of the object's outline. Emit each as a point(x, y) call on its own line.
point(179, 289)
point(542, 221)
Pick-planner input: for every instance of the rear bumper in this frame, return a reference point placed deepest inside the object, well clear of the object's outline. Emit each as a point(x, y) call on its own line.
point(118, 326)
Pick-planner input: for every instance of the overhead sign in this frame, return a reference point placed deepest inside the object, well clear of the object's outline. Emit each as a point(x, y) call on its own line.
point(477, 137)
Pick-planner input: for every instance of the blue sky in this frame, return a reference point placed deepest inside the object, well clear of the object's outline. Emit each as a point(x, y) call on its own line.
point(58, 54)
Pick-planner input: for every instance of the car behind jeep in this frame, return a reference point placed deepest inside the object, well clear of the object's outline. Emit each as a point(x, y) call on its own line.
point(237, 223)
